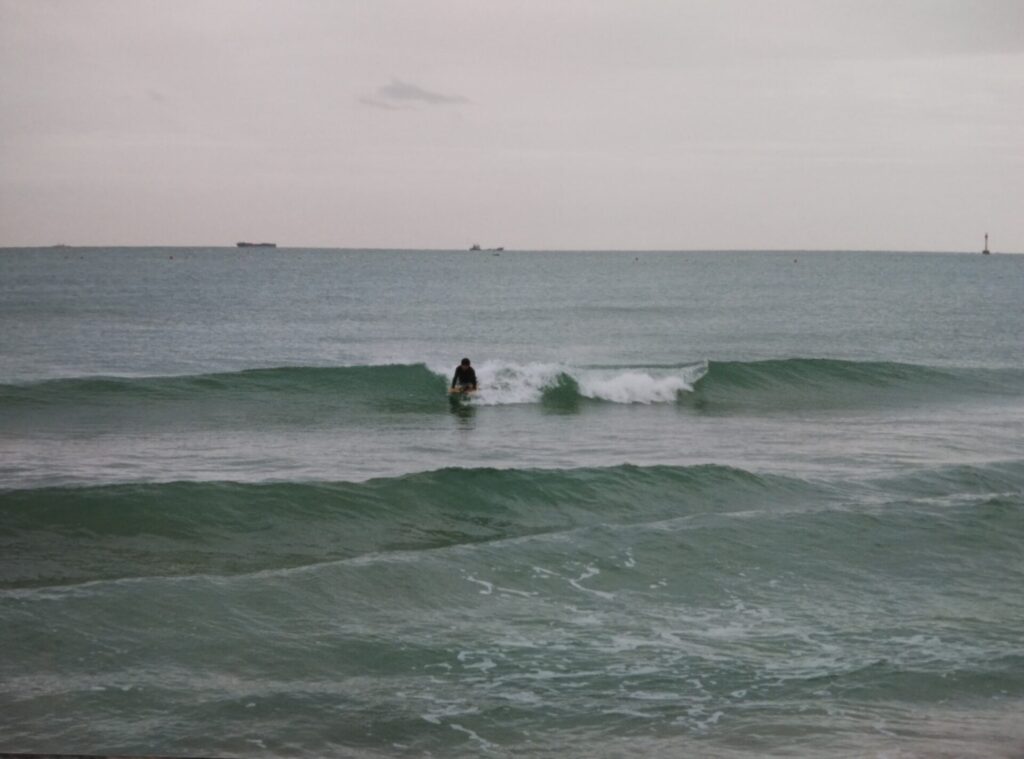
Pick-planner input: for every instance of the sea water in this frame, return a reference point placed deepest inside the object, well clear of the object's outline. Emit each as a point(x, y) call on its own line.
point(704, 504)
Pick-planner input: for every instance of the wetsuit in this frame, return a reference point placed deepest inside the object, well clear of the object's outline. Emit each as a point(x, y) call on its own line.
point(464, 377)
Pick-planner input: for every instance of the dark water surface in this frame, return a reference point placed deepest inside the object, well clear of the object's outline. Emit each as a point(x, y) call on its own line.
point(705, 504)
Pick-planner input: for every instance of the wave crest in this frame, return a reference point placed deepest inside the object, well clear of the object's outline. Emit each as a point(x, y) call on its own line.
point(503, 383)
point(66, 535)
point(721, 386)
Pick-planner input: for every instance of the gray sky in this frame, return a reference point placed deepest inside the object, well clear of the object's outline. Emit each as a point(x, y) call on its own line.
point(675, 124)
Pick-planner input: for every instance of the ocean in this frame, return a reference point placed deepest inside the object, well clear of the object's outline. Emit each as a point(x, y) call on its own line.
point(715, 504)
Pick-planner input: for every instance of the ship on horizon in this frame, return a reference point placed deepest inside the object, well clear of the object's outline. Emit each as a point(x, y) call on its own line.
point(256, 244)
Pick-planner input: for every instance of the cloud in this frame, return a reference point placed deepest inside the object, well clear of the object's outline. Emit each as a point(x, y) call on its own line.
point(399, 95)
point(375, 103)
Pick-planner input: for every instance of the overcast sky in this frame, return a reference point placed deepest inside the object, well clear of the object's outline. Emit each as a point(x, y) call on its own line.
point(608, 124)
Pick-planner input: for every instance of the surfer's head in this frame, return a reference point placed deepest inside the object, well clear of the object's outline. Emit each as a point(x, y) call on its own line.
point(464, 362)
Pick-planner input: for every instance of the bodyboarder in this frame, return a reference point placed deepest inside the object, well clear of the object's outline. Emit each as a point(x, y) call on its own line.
point(465, 377)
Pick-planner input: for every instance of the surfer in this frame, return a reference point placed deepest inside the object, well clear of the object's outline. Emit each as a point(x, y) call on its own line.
point(465, 377)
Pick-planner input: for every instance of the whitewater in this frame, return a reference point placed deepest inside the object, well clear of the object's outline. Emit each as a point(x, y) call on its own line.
point(704, 504)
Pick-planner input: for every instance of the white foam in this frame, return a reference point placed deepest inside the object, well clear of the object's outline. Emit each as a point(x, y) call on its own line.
point(633, 387)
point(503, 382)
point(484, 743)
point(488, 587)
point(589, 571)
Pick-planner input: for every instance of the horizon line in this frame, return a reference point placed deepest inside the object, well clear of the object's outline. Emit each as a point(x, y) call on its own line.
point(152, 246)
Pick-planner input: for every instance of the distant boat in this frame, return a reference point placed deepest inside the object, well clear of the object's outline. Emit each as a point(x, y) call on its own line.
point(474, 246)
point(256, 244)
point(986, 251)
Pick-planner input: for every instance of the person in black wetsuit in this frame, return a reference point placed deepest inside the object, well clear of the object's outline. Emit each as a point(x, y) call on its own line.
point(465, 377)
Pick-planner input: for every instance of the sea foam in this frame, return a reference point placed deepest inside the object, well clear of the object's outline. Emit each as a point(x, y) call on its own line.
point(504, 382)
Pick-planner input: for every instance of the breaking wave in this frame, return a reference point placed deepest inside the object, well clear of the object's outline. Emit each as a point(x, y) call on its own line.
point(66, 535)
point(296, 393)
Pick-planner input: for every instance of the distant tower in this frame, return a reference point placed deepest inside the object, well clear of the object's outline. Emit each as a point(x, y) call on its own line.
point(986, 251)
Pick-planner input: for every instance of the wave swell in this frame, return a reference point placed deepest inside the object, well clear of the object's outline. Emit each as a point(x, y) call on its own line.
point(707, 385)
point(76, 534)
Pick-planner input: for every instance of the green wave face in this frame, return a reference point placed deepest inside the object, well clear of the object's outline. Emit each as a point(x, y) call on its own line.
point(824, 383)
point(305, 397)
point(55, 536)
point(352, 382)
point(332, 396)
